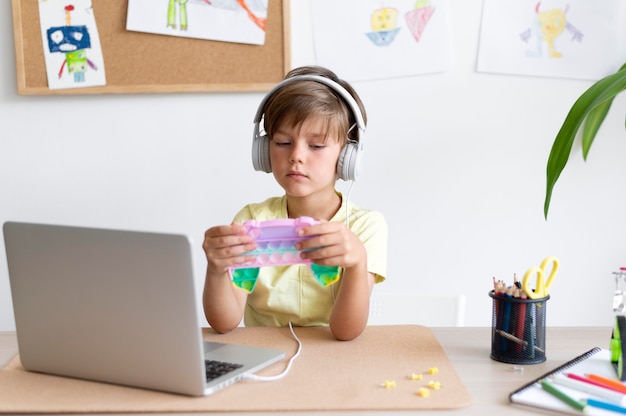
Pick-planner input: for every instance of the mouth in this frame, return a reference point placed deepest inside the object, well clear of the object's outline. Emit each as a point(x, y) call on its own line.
point(296, 175)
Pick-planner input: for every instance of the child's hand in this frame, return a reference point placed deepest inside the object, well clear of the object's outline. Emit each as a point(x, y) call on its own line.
point(224, 244)
point(223, 304)
point(338, 246)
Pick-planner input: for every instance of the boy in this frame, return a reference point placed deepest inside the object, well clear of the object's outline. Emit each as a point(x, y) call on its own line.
point(312, 127)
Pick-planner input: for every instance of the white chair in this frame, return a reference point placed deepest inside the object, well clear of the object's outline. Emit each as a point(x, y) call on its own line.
point(402, 308)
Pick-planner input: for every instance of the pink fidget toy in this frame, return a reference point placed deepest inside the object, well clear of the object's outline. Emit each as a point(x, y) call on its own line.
point(276, 240)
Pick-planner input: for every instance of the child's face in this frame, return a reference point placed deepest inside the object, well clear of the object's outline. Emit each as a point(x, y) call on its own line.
point(304, 158)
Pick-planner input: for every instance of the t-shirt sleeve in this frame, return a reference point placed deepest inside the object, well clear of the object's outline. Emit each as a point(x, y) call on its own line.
point(244, 214)
point(371, 228)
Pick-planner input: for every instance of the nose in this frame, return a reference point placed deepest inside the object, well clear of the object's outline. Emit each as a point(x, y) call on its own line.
point(297, 153)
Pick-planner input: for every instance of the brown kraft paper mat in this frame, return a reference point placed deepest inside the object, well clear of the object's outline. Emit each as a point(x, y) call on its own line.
point(328, 375)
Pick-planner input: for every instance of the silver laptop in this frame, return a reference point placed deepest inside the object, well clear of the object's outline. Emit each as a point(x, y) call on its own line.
point(115, 306)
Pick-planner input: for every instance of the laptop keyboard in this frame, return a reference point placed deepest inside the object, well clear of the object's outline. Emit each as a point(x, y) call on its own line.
point(214, 369)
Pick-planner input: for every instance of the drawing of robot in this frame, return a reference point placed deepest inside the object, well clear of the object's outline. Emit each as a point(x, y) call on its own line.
point(73, 41)
point(548, 26)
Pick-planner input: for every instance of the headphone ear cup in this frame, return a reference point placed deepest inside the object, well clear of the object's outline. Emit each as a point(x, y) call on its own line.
point(261, 154)
point(348, 163)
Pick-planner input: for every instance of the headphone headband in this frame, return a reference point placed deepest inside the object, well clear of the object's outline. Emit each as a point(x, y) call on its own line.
point(347, 97)
point(348, 164)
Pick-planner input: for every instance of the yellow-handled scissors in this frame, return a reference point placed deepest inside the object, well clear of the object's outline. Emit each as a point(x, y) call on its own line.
point(542, 288)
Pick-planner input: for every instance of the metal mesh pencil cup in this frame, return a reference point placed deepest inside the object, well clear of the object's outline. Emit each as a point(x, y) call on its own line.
point(518, 329)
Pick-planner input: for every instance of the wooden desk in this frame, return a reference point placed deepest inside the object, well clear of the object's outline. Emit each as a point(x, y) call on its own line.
point(488, 381)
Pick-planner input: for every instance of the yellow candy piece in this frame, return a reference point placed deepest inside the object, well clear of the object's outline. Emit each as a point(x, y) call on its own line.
point(433, 370)
point(435, 385)
point(389, 384)
point(416, 376)
point(423, 392)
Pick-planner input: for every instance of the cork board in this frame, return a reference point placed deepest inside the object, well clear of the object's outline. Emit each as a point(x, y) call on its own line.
point(146, 63)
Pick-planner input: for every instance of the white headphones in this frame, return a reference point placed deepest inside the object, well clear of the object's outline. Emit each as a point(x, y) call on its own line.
point(348, 165)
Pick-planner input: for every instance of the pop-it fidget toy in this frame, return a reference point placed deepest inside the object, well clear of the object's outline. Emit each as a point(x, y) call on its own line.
point(276, 240)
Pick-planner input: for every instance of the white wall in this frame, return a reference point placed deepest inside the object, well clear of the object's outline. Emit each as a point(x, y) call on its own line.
point(456, 161)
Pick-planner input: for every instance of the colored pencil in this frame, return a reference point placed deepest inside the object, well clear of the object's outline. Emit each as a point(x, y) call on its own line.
point(604, 405)
point(570, 401)
point(594, 382)
point(581, 386)
point(521, 313)
point(615, 384)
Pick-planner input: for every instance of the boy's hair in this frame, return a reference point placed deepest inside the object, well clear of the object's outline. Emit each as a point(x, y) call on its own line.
point(295, 102)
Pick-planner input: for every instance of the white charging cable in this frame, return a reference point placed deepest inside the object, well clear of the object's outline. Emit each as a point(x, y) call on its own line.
point(255, 377)
point(347, 202)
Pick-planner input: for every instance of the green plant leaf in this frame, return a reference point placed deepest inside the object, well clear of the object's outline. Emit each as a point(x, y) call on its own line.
point(592, 124)
point(592, 105)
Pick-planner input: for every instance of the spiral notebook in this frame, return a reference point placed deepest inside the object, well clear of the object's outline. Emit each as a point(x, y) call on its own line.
point(595, 361)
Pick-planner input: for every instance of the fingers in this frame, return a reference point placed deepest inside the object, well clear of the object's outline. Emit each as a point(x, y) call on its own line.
point(226, 235)
point(224, 245)
point(331, 244)
point(324, 235)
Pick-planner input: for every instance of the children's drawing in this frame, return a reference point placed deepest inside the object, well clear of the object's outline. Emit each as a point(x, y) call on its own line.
point(73, 41)
point(548, 26)
point(233, 5)
point(384, 21)
point(565, 38)
point(240, 21)
point(418, 18)
point(373, 39)
point(71, 44)
point(257, 20)
point(384, 28)
point(172, 14)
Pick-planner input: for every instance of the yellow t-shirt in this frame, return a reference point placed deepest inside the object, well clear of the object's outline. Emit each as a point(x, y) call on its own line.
point(286, 294)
